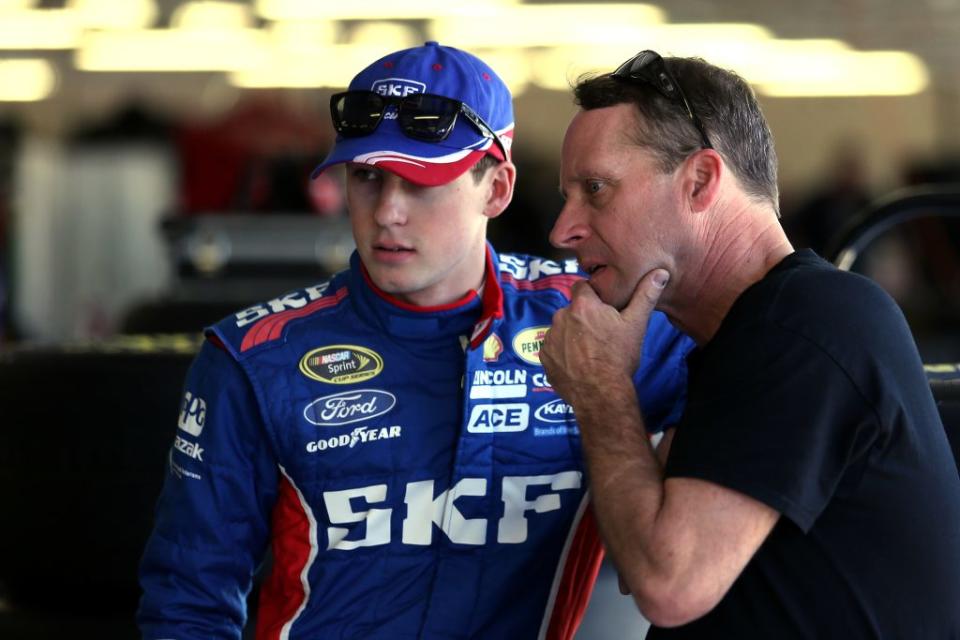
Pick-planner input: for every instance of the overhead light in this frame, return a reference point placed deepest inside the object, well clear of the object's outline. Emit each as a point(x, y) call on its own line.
point(389, 36)
point(172, 50)
point(847, 73)
point(302, 35)
point(39, 29)
point(111, 14)
point(210, 14)
point(288, 69)
point(368, 9)
point(14, 5)
point(26, 80)
point(544, 25)
point(775, 67)
point(559, 67)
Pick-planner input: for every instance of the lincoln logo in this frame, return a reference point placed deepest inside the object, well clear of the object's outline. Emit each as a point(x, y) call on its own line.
point(349, 407)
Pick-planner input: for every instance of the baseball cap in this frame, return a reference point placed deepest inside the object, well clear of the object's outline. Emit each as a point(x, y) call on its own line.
point(438, 70)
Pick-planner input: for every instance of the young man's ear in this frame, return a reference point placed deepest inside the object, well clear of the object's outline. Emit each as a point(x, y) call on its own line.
point(502, 179)
point(702, 175)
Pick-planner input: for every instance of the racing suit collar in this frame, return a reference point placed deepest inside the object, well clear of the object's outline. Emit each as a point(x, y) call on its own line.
point(492, 300)
point(472, 315)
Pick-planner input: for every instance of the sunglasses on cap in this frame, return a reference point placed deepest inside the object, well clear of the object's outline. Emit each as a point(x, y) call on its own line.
point(421, 116)
point(649, 68)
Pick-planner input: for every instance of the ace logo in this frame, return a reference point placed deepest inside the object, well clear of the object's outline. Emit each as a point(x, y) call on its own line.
point(494, 418)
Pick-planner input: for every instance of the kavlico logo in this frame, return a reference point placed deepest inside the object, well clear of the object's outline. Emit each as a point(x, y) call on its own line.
point(527, 343)
point(348, 407)
point(556, 411)
point(341, 364)
point(193, 414)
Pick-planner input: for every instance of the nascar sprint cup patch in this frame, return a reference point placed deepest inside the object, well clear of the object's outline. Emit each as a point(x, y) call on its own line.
point(341, 364)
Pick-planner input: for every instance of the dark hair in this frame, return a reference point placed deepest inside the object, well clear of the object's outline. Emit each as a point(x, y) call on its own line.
point(483, 165)
point(725, 104)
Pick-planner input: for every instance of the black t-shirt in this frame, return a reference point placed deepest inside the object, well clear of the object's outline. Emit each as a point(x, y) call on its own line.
point(811, 398)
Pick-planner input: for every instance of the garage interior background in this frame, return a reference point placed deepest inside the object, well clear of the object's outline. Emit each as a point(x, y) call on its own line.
point(117, 115)
point(154, 154)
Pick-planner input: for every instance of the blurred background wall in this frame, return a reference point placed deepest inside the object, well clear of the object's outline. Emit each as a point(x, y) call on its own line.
point(120, 116)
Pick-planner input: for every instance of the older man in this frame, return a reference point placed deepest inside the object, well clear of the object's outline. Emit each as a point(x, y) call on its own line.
point(808, 490)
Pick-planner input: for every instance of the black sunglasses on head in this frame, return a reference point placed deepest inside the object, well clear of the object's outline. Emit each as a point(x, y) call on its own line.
point(648, 67)
point(421, 116)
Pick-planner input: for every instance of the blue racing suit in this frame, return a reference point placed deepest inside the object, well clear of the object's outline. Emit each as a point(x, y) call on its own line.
point(411, 469)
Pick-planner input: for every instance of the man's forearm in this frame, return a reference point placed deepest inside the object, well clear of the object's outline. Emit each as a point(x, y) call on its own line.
point(626, 479)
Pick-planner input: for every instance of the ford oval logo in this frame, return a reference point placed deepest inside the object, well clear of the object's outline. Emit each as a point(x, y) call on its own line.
point(554, 411)
point(348, 407)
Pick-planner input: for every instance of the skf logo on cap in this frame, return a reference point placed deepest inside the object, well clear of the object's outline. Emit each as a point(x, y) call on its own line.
point(397, 87)
point(527, 343)
point(341, 364)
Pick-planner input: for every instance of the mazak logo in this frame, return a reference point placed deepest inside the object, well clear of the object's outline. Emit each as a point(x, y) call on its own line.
point(188, 448)
point(348, 407)
point(341, 364)
point(193, 414)
point(527, 343)
point(555, 411)
point(397, 87)
point(499, 418)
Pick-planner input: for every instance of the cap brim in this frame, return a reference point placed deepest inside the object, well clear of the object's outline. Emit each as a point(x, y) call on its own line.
point(427, 164)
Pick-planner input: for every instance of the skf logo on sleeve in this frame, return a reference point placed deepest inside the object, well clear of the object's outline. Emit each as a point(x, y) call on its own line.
point(341, 364)
point(193, 413)
point(527, 343)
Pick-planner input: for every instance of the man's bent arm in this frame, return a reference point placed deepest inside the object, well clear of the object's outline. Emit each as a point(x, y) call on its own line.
point(678, 544)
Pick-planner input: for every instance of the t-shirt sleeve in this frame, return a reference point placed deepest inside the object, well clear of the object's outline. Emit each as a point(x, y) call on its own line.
point(779, 421)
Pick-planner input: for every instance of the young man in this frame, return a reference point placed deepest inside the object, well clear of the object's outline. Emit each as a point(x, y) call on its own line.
point(809, 490)
point(390, 434)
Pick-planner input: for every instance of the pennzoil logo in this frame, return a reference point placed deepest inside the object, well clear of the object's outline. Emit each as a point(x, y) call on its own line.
point(341, 364)
point(527, 343)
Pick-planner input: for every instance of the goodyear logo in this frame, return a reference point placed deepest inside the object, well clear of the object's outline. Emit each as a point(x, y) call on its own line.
point(341, 364)
point(527, 343)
